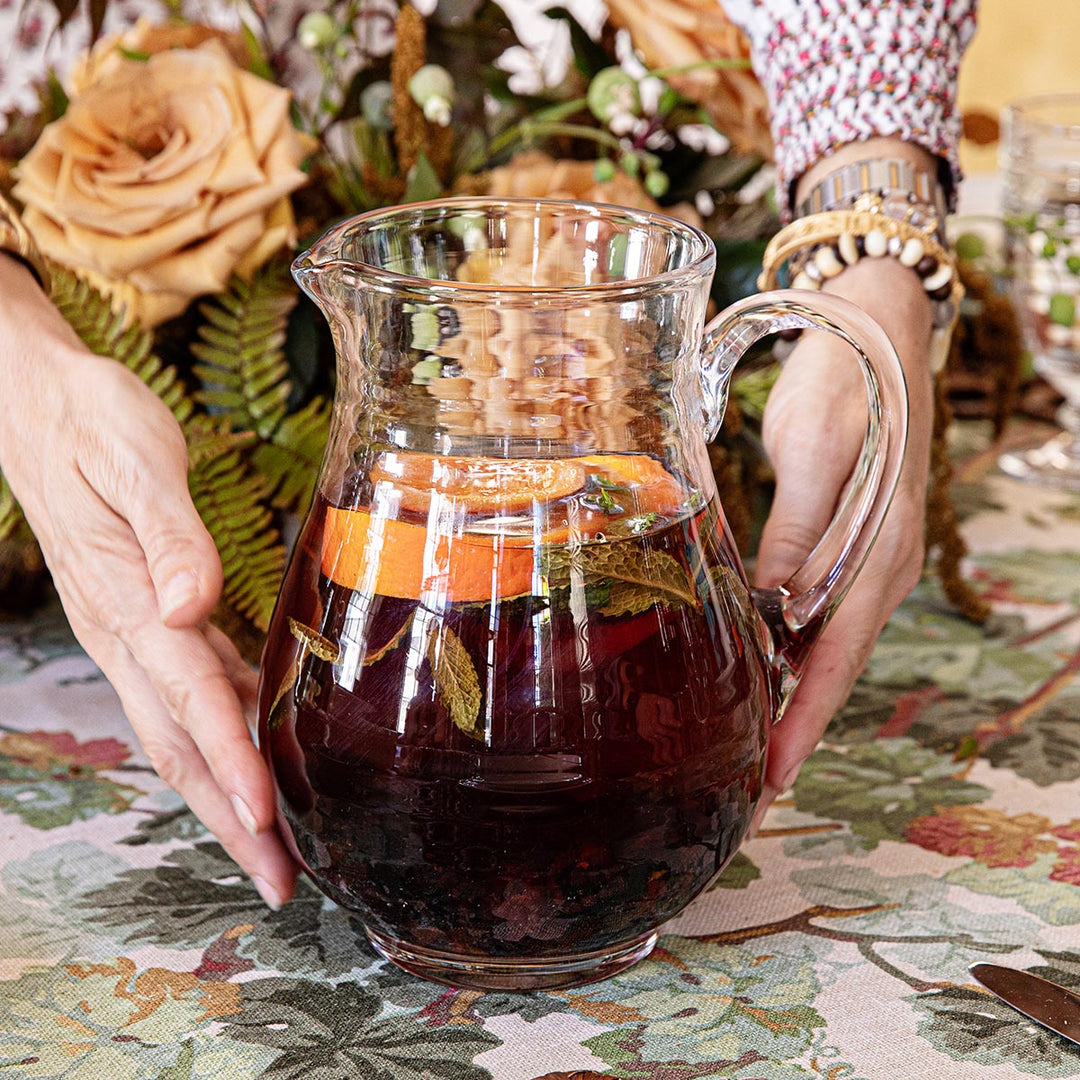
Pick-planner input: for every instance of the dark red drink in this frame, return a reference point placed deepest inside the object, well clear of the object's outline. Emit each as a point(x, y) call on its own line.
point(597, 767)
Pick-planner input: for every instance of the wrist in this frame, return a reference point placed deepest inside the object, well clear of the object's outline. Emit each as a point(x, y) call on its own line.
point(17, 280)
point(878, 147)
point(36, 342)
point(894, 297)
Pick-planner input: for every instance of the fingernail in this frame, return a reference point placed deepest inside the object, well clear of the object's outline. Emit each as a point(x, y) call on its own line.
point(271, 897)
point(243, 812)
point(179, 590)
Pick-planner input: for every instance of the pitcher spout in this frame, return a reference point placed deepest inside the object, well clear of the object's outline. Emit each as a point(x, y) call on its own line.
point(321, 282)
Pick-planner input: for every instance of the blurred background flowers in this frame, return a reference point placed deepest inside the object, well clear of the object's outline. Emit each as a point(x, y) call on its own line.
point(174, 170)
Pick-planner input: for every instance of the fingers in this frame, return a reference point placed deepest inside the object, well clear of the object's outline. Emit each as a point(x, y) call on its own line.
point(207, 756)
point(115, 604)
point(813, 439)
point(189, 680)
point(243, 677)
point(100, 467)
point(845, 646)
point(175, 684)
point(814, 428)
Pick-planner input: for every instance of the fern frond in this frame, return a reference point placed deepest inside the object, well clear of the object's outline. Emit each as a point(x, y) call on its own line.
point(290, 459)
point(229, 498)
point(11, 515)
point(242, 348)
point(208, 439)
point(102, 331)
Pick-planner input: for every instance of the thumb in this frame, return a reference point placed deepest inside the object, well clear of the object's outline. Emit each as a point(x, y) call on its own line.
point(813, 430)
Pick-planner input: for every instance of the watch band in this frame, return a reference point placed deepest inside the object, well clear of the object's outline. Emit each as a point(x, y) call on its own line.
point(15, 240)
point(904, 188)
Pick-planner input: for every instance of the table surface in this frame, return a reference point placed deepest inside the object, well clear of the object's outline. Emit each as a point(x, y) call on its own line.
point(939, 824)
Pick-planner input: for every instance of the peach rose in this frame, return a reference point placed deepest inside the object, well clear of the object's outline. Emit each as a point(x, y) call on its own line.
point(148, 38)
point(164, 177)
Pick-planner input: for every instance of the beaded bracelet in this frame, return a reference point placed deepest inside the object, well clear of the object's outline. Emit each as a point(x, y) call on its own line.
point(821, 246)
point(17, 242)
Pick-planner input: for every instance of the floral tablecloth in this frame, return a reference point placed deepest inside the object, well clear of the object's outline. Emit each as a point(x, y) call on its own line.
point(938, 825)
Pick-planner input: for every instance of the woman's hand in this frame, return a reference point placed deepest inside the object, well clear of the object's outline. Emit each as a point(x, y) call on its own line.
point(99, 465)
point(813, 430)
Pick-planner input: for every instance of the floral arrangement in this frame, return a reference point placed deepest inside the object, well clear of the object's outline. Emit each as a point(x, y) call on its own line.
point(172, 175)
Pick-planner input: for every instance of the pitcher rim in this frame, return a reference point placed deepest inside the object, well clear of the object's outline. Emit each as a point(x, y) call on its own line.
point(703, 260)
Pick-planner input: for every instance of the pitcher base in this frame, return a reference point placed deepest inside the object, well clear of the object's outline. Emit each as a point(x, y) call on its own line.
point(522, 975)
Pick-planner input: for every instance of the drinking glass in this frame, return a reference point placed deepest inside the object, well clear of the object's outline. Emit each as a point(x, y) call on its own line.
point(1041, 147)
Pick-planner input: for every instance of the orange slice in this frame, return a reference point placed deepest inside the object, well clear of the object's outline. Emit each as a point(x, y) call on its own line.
point(652, 487)
point(394, 558)
point(478, 484)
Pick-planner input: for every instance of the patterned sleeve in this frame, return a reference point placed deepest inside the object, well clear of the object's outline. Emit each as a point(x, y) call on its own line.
point(839, 71)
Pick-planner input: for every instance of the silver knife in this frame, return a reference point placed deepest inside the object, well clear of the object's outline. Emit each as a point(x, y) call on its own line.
point(1039, 999)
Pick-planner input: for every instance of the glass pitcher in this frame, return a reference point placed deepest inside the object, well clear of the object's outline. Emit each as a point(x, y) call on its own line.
point(517, 690)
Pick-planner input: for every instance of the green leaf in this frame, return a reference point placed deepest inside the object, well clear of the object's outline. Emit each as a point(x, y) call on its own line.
point(290, 459)
point(659, 574)
point(243, 369)
point(194, 894)
point(82, 1020)
point(188, 898)
point(971, 1026)
point(969, 246)
point(57, 96)
point(49, 781)
point(181, 1068)
point(626, 598)
point(39, 919)
point(752, 390)
point(1062, 309)
point(745, 1014)
point(737, 874)
point(326, 1032)
point(11, 515)
point(424, 183)
point(229, 497)
point(1029, 888)
point(879, 788)
point(102, 330)
point(257, 62)
point(456, 681)
point(207, 440)
point(1047, 750)
point(165, 827)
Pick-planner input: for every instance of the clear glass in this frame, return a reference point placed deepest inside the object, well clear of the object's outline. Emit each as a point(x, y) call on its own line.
point(517, 690)
point(1041, 163)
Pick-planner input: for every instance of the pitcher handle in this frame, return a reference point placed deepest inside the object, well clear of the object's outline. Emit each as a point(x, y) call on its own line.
point(797, 611)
